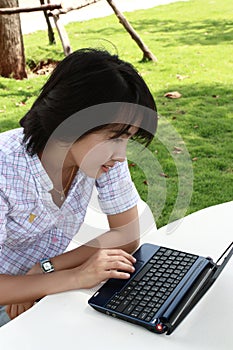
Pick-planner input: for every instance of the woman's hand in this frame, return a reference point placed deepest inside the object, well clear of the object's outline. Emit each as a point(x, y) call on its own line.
point(104, 264)
point(15, 310)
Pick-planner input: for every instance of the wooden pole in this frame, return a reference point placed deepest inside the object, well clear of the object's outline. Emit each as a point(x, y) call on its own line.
point(50, 29)
point(12, 10)
point(147, 54)
point(63, 35)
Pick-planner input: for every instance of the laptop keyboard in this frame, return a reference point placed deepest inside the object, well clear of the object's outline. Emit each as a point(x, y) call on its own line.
point(150, 288)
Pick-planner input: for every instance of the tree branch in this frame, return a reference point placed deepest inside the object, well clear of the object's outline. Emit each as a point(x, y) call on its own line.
point(147, 54)
point(63, 10)
point(49, 7)
point(12, 10)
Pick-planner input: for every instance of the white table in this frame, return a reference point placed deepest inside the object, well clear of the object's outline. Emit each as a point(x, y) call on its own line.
point(65, 321)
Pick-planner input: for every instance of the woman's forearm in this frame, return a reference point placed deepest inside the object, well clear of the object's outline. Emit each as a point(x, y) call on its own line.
point(19, 289)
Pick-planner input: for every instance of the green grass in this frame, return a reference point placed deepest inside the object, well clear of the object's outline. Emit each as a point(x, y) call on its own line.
point(192, 39)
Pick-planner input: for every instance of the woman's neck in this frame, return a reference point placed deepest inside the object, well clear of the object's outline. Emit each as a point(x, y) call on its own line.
point(61, 170)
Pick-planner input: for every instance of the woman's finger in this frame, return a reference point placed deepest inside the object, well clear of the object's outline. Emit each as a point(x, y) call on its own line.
point(119, 265)
point(120, 252)
point(120, 258)
point(8, 310)
point(14, 311)
point(117, 274)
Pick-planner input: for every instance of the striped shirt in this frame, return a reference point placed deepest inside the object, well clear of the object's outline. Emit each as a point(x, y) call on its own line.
point(32, 227)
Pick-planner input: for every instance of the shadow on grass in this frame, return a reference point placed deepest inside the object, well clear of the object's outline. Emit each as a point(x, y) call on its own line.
point(204, 112)
point(23, 95)
point(206, 32)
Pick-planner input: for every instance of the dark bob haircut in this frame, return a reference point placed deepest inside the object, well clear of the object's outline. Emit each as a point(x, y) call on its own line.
point(87, 78)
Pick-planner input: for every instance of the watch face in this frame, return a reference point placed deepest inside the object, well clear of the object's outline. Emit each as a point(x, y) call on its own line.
point(47, 266)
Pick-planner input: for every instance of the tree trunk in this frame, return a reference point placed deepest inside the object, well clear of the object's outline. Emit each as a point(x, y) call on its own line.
point(12, 59)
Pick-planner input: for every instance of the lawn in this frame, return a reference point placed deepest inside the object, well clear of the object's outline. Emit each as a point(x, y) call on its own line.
point(189, 165)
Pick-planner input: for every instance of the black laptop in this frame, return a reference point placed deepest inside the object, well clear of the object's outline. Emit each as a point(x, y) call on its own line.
point(165, 286)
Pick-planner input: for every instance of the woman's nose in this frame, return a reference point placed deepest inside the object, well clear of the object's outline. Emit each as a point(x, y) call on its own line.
point(119, 155)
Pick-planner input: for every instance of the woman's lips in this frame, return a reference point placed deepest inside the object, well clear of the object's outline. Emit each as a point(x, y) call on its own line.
point(106, 167)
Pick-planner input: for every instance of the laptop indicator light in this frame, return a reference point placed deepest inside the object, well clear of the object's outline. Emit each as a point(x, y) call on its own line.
point(159, 327)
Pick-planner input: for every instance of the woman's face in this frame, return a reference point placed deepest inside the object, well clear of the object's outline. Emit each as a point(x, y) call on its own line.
point(97, 152)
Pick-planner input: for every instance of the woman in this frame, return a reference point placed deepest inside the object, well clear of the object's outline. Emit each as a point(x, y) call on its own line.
point(73, 138)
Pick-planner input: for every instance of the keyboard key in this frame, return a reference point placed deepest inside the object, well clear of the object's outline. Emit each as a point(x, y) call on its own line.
point(134, 313)
point(139, 308)
point(129, 309)
point(142, 272)
point(142, 315)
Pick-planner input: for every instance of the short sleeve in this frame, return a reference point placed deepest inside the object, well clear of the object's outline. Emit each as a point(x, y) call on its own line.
point(4, 209)
point(116, 191)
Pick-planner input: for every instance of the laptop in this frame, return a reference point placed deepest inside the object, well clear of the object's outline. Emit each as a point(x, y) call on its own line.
point(165, 286)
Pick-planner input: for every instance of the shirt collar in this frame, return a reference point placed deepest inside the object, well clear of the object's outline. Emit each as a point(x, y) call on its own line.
point(38, 171)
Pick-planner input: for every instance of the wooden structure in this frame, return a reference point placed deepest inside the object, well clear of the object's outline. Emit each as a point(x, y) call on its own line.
point(55, 10)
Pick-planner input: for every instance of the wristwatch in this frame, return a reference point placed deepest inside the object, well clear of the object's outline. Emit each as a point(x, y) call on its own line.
point(46, 266)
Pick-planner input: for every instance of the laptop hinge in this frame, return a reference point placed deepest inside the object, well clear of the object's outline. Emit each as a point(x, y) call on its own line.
point(198, 290)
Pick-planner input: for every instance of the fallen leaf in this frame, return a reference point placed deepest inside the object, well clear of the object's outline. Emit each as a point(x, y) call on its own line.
point(194, 159)
point(215, 96)
point(173, 94)
point(1, 111)
point(196, 126)
point(163, 175)
point(145, 182)
point(182, 77)
point(177, 150)
point(20, 104)
point(132, 164)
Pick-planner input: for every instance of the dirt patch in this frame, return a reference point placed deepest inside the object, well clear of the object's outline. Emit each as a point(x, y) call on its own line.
point(43, 67)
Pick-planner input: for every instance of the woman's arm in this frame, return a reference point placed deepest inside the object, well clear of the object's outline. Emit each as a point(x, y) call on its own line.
point(104, 264)
point(90, 259)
